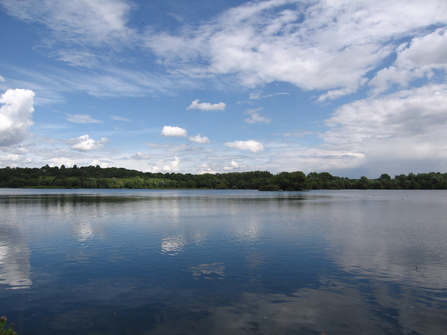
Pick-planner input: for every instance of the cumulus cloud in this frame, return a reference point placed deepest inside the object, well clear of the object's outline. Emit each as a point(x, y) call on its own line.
point(85, 143)
point(255, 117)
point(410, 125)
point(206, 106)
point(14, 160)
point(82, 118)
point(169, 131)
point(199, 139)
point(161, 166)
point(233, 165)
point(318, 46)
point(414, 60)
point(173, 166)
point(249, 145)
point(16, 115)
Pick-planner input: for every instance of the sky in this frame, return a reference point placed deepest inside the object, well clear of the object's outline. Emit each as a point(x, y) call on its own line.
point(354, 88)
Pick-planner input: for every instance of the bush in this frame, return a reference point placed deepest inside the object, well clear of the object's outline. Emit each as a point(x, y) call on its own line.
point(8, 331)
point(269, 187)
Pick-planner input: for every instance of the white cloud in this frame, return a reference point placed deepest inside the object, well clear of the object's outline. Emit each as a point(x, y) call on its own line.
point(410, 125)
point(77, 58)
point(257, 96)
point(249, 145)
point(15, 116)
point(199, 139)
point(85, 143)
point(255, 117)
point(119, 118)
point(206, 106)
point(206, 168)
point(169, 131)
point(335, 94)
point(173, 166)
point(2, 79)
point(414, 60)
point(84, 22)
point(429, 51)
point(68, 162)
point(82, 118)
point(14, 160)
point(319, 46)
point(233, 165)
point(106, 81)
point(296, 158)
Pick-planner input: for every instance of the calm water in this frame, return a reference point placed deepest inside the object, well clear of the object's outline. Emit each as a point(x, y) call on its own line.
point(223, 262)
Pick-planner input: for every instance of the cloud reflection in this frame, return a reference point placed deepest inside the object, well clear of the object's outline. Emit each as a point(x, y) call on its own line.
point(14, 259)
point(335, 309)
point(172, 245)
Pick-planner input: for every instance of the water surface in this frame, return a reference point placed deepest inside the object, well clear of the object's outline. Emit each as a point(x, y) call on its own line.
point(223, 262)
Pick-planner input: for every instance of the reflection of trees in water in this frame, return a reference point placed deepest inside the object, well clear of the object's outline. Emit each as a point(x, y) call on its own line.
point(208, 270)
point(14, 258)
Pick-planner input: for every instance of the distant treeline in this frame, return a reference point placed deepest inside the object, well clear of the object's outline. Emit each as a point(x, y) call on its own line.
point(97, 177)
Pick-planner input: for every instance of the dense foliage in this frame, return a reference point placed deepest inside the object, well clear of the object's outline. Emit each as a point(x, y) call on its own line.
point(97, 177)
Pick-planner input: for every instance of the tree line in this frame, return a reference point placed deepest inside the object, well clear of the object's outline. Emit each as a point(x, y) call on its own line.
point(97, 177)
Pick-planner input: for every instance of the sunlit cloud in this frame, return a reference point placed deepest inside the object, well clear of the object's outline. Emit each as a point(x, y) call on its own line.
point(414, 60)
point(249, 145)
point(387, 59)
point(16, 114)
point(199, 139)
point(169, 131)
point(206, 106)
point(233, 165)
point(85, 143)
point(172, 166)
point(317, 47)
point(407, 128)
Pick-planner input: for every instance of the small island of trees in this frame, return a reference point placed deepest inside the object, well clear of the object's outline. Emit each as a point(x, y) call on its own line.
point(97, 177)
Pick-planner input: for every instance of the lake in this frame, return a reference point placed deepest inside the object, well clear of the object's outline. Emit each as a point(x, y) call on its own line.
point(223, 262)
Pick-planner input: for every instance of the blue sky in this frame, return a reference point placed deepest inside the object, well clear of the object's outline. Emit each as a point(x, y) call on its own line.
point(349, 87)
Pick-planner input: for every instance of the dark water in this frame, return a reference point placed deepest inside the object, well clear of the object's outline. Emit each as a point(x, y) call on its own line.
point(223, 262)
